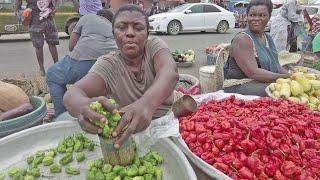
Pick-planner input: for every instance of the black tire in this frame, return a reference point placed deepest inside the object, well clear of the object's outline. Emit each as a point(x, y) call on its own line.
point(223, 26)
point(174, 27)
point(71, 26)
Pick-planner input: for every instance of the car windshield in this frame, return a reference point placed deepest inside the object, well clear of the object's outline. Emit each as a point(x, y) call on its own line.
point(179, 8)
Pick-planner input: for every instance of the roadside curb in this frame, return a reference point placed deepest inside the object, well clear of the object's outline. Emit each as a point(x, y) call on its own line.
point(24, 37)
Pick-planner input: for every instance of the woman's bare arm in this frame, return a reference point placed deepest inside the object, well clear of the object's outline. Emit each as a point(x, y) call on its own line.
point(92, 85)
point(242, 51)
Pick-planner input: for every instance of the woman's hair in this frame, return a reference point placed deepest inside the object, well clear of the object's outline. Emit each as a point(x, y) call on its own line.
point(130, 8)
point(267, 3)
point(106, 13)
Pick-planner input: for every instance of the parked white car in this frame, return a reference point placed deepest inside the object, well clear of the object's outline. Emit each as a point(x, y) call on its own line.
point(192, 17)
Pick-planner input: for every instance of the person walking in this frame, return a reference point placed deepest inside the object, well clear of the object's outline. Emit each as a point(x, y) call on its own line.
point(287, 25)
point(42, 27)
point(91, 38)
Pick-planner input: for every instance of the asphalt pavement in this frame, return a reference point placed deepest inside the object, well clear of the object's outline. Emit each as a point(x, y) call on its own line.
point(17, 55)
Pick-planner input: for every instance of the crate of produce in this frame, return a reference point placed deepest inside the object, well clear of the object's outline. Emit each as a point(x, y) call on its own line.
point(59, 137)
point(183, 58)
point(232, 136)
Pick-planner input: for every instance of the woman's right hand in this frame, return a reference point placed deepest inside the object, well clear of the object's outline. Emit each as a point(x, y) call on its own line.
point(88, 117)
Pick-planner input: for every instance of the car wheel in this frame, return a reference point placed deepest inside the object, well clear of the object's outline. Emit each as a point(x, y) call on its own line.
point(174, 27)
point(223, 26)
point(71, 26)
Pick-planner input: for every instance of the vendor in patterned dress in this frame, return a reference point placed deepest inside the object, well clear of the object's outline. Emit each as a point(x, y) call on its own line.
point(253, 54)
point(141, 76)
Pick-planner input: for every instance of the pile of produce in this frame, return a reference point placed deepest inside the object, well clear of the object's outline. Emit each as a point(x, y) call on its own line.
point(302, 87)
point(73, 148)
point(144, 168)
point(258, 139)
point(185, 56)
point(69, 148)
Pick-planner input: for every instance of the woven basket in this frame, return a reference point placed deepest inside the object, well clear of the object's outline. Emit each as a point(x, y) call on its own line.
point(26, 85)
point(218, 76)
point(41, 83)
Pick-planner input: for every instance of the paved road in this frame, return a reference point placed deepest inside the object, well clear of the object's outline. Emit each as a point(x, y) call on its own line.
point(19, 57)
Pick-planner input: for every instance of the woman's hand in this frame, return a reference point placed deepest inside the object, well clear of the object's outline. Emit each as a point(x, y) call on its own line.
point(136, 117)
point(88, 117)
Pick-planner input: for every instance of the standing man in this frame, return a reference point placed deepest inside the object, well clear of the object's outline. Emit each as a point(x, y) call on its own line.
point(91, 38)
point(42, 27)
point(287, 25)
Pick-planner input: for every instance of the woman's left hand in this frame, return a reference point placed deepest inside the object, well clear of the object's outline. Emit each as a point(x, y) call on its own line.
point(137, 117)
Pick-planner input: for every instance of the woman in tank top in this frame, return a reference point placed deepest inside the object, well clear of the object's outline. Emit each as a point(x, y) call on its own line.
point(253, 54)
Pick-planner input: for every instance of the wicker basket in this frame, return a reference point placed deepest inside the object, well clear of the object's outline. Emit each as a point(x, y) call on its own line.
point(123, 156)
point(218, 76)
point(26, 85)
point(31, 86)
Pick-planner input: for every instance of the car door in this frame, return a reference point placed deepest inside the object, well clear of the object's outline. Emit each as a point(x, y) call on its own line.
point(194, 20)
point(212, 16)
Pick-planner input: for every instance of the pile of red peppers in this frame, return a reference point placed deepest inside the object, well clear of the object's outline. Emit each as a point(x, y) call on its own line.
point(258, 139)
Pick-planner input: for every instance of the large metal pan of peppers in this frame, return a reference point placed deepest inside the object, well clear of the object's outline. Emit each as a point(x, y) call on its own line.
point(261, 138)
